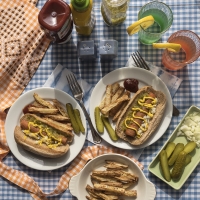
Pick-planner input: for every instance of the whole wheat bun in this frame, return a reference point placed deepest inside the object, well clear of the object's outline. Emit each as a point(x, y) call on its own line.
point(155, 121)
point(30, 144)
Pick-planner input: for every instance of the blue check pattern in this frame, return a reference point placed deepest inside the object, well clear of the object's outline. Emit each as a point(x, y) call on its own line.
point(186, 16)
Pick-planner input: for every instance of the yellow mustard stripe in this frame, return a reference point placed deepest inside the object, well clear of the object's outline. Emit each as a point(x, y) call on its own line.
point(43, 140)
point(142, 103)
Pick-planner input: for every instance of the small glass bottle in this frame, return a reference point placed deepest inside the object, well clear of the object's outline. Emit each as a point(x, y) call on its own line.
point(55, 19)
point(114, 11)
point(83, 16)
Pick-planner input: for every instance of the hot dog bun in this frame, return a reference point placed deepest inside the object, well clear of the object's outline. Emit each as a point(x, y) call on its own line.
point(154, 121)
point(35, 145)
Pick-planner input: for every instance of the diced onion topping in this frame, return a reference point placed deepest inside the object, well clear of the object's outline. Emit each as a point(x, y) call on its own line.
point(191, 128)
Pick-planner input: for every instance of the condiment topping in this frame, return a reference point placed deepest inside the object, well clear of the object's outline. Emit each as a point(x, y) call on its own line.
point(43, 134)
point(147, 111)
point(191, 127)
point(55, 19)
point(131, 85)
point(83, 16)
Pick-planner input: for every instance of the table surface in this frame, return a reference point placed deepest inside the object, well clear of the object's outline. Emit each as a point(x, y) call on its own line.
point(186, 16)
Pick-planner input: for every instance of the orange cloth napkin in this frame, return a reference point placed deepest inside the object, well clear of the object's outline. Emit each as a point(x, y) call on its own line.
point(23, 180)
point(22, 47)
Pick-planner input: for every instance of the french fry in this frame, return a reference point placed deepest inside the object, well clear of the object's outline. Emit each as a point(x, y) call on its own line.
point(102, 179)
point(58, 105)
point(115, 87)
point(37, 105)
point(115, 190)
point(110, 91)
point(118, 94)
point(91, 198)
point(103, 173)
point(122, 106)
point(108, 95)
point(126, 177)
point(112, 165)
point(112, 183)
point(58, 117)
point(42, 101)
point(118, 108)
point(107, 108)
point(67, 126)
point(43, 110)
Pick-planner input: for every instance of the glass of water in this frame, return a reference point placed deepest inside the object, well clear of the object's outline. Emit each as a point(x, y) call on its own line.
point(163, 17)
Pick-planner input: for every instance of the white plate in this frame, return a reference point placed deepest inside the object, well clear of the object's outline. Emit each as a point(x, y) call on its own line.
point(145, 78)
point(32, 160)
point(145, 189)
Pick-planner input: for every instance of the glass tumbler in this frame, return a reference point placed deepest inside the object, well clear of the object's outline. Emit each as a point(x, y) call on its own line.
point(114, 11)
point(190, 50)
point(163, 17)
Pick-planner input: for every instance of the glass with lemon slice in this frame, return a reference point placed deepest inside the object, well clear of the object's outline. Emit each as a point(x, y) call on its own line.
point(175, 58)
point(150, 31)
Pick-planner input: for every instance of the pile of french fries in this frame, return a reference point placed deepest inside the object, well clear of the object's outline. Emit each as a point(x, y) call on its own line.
point(112, 183)
point(52, 111)
point(114, 101)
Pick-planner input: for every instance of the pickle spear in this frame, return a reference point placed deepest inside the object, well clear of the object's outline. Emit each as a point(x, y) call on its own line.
point(170, 148)
point(98, 120)
point(190, 146)
point(70, 112)
point(179, 166)
point(109, 128)
point(78, 120)
point(178, 148)
point(164, 165)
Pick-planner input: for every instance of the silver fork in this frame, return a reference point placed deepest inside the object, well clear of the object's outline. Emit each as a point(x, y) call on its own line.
point(78, 95)
point(141, 63)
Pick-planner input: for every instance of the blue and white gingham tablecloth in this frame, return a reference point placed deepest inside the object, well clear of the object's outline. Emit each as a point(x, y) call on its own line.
point(186, 16)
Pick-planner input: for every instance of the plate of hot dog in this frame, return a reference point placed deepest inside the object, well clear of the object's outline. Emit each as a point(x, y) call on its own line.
point(131, 108)
point(39, 128)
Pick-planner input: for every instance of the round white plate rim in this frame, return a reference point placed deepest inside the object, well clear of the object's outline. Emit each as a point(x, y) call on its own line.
point(16, 111)
point(123, 73)
point(78, 182)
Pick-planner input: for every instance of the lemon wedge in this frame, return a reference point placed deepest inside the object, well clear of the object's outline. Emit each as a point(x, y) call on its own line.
point(173, 47)
point(145, 22)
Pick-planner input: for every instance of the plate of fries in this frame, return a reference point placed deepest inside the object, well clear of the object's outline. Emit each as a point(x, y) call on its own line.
point(43, 96)
point(112, 177)
point(117, 77)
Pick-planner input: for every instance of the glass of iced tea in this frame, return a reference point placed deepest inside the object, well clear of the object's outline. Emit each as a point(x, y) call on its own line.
point(163, 17)
point(190, 50)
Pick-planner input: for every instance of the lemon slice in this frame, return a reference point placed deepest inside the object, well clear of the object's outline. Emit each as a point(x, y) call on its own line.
point(145, 22)
point(173, 47)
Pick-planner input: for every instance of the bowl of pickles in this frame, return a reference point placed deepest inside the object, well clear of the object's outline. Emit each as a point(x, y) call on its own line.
point(180, 154)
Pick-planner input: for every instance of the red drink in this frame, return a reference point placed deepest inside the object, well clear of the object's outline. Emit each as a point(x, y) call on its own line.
point(190, 43)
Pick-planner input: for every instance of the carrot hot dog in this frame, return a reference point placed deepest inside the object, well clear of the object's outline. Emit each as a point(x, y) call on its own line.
point(138, 116)
point(26, 125)
point(142, 116)
point(43, 137)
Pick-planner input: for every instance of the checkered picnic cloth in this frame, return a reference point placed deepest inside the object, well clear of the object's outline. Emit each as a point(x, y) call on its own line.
point(23, 180)
point(23, 45)
point(186, 16)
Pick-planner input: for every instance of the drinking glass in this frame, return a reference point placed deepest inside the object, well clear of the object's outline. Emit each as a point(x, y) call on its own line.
point(163, 17)
point(114, 11)
point(190, 50)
